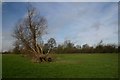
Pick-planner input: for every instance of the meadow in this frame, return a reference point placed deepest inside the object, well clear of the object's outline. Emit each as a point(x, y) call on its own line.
point(64, 66)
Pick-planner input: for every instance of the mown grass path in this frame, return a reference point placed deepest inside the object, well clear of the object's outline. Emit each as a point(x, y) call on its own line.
point(65, 66)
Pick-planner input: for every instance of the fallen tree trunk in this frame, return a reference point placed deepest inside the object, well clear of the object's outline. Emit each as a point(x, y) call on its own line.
point(45, 57)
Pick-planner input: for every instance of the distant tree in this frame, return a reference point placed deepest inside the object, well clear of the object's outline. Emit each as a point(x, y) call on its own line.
point(60, 49)
point(78, 46)
point(51, 44)
point(99, 47)
point(100, 43)
point(111, 48)
point(85, 46)
point(68, 46)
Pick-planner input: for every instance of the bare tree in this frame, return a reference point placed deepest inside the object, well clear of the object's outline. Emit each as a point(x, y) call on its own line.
point(29, 31)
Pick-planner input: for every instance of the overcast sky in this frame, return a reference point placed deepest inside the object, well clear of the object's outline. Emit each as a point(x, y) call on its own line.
point(80, 22)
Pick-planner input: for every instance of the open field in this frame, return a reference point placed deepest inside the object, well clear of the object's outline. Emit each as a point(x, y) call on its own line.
point(65, 66)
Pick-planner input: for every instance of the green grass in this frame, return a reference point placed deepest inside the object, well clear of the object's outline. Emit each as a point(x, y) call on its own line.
point(65, 66)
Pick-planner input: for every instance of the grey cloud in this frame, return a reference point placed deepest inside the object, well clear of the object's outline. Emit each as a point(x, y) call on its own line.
point(96, 25)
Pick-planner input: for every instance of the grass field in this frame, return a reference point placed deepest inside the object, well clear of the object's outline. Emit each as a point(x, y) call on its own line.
point(65, 66)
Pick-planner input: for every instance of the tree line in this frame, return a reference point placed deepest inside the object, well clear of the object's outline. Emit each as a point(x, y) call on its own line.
point(70, 47)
